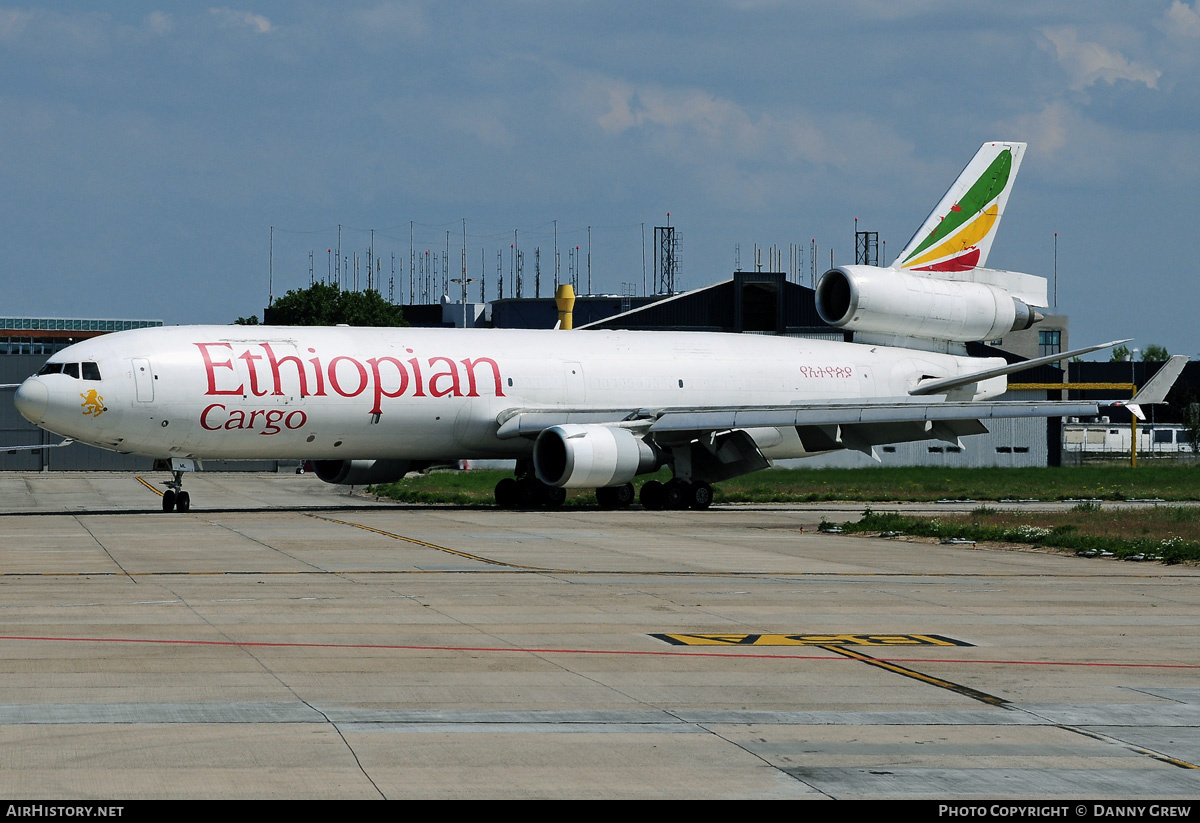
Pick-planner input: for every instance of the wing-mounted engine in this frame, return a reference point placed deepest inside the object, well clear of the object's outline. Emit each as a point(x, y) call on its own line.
point(876, 300)
point(577, 456)
point(361, 472)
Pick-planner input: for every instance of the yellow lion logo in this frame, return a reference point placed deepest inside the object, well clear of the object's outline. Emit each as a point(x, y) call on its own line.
point(93, 403)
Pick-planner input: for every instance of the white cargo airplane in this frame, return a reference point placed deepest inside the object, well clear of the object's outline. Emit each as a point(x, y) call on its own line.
point(583, 408)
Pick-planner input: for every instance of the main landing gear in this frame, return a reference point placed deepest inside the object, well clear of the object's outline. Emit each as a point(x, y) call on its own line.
point(525, 491)
point(676, 494)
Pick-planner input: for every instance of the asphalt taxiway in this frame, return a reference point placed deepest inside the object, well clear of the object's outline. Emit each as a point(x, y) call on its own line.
point(285, 639)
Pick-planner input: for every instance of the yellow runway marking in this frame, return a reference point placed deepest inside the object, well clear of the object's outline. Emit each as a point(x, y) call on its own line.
point(966, 691)
point(147, 484)
point(886, 640)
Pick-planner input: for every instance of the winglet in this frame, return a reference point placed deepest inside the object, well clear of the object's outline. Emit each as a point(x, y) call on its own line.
point(958, 233)
point(1156, 389)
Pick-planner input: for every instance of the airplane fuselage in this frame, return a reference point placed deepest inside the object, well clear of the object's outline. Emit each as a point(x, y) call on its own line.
point(234, 392)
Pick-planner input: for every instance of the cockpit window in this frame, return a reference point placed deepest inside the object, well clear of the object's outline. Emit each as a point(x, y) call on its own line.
point(90, 369)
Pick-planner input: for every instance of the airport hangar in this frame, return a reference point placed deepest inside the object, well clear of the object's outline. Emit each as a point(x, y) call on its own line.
point(746, 303)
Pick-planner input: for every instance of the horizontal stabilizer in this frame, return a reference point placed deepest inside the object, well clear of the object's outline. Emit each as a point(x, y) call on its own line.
point(948, 383)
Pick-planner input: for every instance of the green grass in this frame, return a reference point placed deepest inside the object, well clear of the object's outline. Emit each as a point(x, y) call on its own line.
point(920, 484)
point(1167, 533)
point(926, 483)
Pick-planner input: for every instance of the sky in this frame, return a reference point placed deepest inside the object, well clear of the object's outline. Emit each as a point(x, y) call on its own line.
point(184, 161)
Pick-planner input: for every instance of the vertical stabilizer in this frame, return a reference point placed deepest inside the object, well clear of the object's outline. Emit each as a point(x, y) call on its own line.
point(958, 234)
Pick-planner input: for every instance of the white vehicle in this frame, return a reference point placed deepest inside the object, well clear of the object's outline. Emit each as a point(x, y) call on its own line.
point(1104, 438)
point(579, 409)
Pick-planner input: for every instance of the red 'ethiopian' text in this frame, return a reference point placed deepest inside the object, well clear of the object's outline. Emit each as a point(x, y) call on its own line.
point(259, 371)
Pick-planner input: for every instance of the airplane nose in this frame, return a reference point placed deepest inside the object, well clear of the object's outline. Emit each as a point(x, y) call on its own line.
point(31, 400)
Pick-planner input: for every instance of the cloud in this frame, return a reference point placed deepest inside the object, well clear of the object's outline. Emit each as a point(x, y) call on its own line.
point(13, 23)
point(1049, 130)
point(680, 112)
point(1182, 20)
point(1088, 63)
point(242, 19)
point(159, 23)
point(392, 19)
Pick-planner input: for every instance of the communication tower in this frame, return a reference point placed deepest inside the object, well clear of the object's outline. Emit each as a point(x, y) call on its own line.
point(666, 259)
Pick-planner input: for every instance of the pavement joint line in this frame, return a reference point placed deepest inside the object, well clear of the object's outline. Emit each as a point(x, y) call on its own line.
point(423, 543)
point(1105, 738)
point(847, 654)
point(1000, 702)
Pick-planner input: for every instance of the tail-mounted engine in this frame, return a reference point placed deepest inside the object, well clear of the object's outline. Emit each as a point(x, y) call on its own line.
point(889, 301)
point(577, 456)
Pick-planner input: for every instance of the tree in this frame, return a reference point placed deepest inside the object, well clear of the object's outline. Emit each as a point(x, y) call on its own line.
point(1191, 426)
point(1119, 355)
point(326, 305)
point(1155, 353)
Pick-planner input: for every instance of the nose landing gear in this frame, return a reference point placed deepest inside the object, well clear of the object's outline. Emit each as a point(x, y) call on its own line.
point(175, 498)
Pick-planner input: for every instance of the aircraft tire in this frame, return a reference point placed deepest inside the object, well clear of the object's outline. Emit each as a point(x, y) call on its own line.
point(553, 496)
point(529, 493)
point(676, 494)
point(701, 496)
point(183, 502)
point(652, 496)
point(507, 493)
point(168, 500)
point(615, 497)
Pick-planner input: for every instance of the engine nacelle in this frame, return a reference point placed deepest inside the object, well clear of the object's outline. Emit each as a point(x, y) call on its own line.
point(361, 472)
point(888, 301)
point(577, 456)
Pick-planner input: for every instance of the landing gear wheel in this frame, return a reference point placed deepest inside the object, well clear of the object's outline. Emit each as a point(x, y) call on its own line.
point(528, 494)
point(183, 502)
point(701, 496)
point(553, 496)
point(615, 497)
point(168, 500)
point(676, 494)
point(652, 497)
point(507, 493)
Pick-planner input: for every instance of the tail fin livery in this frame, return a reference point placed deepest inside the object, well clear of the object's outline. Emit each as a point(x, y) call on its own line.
point(958, 234)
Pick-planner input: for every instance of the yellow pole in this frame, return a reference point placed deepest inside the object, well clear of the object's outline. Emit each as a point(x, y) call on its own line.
point(1133, 432)
point(564, 298)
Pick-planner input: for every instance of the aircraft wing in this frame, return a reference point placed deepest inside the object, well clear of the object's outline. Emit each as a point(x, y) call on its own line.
point(849, 423)
point(15, 449)
point(858, 412)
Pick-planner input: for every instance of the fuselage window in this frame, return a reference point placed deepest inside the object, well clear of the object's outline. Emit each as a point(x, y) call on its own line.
point(91, 371)
point(71, 370)
point(51, 368)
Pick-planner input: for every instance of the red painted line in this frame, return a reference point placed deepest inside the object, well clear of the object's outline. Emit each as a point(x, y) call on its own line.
point(512, 650)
